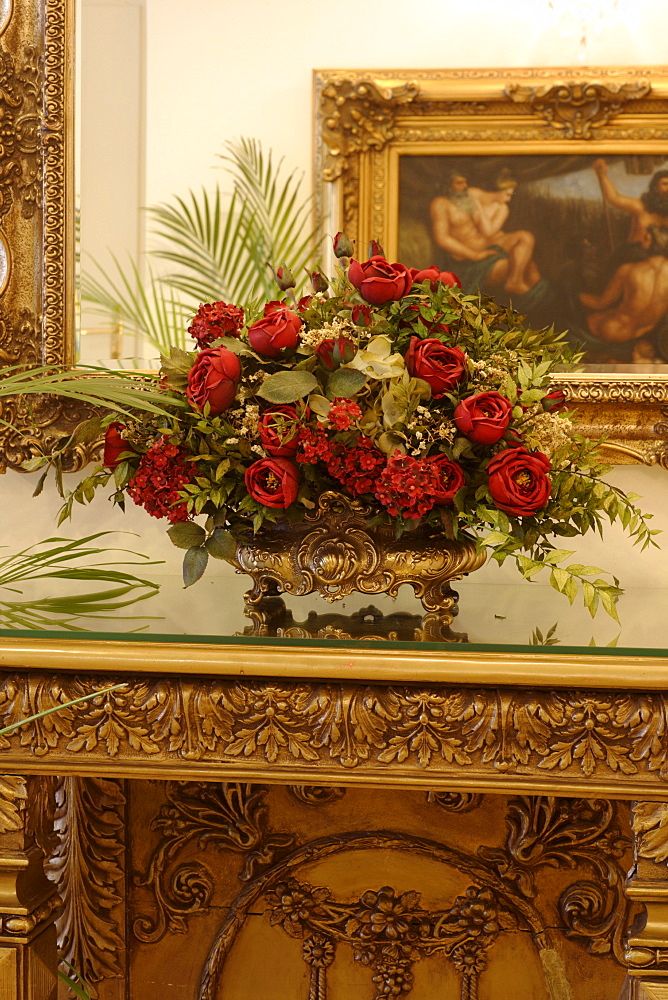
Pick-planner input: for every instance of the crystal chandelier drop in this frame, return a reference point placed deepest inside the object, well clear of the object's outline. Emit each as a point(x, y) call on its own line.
point(583, 18)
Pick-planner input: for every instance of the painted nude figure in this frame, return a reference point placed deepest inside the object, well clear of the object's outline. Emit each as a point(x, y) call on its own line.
point(467, 223)
point(636, 297)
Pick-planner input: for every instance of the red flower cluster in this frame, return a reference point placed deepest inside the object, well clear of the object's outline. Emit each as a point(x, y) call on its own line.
point(343, 413)
point(163, 471)
point(214, 320)
point(314, 446)
point(356, 468)
point(408, 487)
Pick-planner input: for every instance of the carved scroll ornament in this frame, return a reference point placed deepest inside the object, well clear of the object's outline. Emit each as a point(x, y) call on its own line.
point(576, 108)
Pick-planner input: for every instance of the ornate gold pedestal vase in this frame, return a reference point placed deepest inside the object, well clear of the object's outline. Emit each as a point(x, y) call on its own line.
point(334, 552)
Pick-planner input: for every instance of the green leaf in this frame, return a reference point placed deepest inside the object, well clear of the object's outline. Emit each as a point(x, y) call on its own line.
point(319, 404)
point(194, 563)
point(345, 382)
point(186, 534)
point(288, 387)
point(221, 545)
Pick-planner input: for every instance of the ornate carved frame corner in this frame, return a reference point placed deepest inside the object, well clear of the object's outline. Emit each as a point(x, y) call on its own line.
point(365, 119)
point(36, 214)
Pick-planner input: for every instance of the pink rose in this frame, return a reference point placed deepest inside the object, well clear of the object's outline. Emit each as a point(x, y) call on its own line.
point(378, 281)
point(277, 331)
point(213, 379)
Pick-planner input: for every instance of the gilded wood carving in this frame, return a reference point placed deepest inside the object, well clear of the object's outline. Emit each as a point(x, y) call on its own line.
point(155, 725)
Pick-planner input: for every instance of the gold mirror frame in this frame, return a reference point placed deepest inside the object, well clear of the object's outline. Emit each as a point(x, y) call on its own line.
point(36, 213)
point(364, 120)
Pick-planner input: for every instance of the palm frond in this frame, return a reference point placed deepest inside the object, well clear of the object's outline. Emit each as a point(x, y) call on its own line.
point(121, 392)
point(146, 308)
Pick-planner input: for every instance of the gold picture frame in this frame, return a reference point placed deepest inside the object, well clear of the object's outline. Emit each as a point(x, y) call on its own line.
point(367, 120)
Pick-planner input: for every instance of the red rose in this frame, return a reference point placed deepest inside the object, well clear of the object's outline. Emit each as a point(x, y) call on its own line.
point(434, 276)
point(451, 478)
point(555, 400)
point(332, 353)
point(279, 431)
point(517, 481)
point(378, 281)
point(213, 379)
point(114, 445)
point(442, 367)
point(214, 320)
point(362, 315)
point(273, 482)
point(276, 331)
point(483, 418)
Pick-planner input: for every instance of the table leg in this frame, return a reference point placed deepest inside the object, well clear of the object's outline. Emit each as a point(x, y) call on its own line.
point(647, 942)
point(28, 902)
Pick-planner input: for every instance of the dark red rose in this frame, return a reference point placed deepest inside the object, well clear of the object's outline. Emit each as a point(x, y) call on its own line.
point(279, 431)
point(484, 418)
point(555, 400)
point(342, 246)
point(451, 478)
point(114, 445)
point(214, 320)
point(273, 482)
point(277, 331)
point(304, 303)
point(517, 481)
point(213, 379)
point(434, 276)
point(442, 367)
point(378, 281)
point(333, 353)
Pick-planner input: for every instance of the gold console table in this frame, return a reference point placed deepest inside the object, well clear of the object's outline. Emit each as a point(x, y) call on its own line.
point(293, 812)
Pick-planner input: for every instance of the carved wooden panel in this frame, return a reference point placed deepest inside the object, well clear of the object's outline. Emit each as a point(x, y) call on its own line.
point(238, 890)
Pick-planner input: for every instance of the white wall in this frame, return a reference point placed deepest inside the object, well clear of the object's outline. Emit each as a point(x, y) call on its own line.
point(218, 69)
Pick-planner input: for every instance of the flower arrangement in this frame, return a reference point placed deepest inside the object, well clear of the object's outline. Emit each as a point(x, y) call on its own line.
point(387, 384)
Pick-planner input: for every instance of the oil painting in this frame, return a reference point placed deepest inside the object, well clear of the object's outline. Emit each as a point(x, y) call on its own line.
point(580, 241)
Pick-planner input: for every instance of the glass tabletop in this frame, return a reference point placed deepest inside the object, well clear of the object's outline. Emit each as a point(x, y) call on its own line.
point(518, 616)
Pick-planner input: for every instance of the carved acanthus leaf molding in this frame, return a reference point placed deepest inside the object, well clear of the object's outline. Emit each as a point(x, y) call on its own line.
point(88, 871)
point(576, 108)
point(650, 825)
point(358, 115)
point(13, 796)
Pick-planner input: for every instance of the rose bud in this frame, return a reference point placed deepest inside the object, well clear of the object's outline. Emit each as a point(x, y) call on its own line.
point(277, 331)
point(451, 478)
point(283, 276)
point(434, 276)
point(273, 482)
point(375, 249)
point(304, 303)
point(279, 431)
point(332, 353)
point(114, 445)
point(483, 418)
point(440, 366)
point(319, 282)
point(378, 281)
point(362, 315)
point(555, 400)
point(517, 481)
point(213, 379)
point(214, 320)
point(342, 246)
